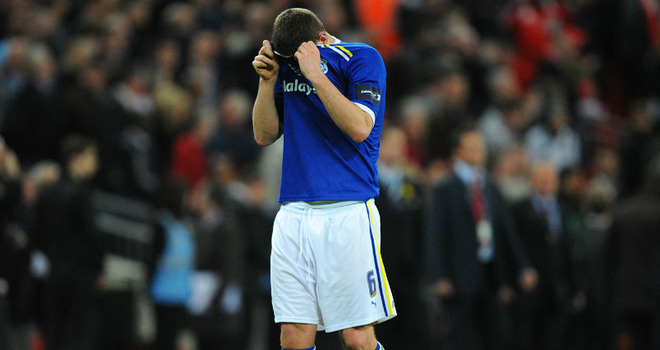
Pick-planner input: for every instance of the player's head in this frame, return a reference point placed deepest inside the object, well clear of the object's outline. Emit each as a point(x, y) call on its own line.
point(293, 27)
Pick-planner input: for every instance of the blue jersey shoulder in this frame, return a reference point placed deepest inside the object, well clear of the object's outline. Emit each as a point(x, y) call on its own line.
point(350, 51)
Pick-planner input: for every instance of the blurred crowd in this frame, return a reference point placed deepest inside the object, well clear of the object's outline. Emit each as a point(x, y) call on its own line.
point(149, 102)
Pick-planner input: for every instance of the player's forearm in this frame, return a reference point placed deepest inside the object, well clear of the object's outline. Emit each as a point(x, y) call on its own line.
point(265, 120)
point(350, 118)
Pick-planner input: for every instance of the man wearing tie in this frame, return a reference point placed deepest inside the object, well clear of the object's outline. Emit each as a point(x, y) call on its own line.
point(544, 313)
point(471, 243)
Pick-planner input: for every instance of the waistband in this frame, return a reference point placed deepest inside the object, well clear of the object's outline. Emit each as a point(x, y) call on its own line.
point(325, 208)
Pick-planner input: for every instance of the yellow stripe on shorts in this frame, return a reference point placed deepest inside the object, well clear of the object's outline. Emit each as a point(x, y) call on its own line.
point(380, 262)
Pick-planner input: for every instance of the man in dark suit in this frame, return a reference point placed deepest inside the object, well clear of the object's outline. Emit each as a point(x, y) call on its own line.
point(471, 242)
point(65, 227)
point(544, 313)
point(632, 254)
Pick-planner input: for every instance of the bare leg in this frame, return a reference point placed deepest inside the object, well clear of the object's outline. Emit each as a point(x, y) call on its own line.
point(359, 338)
point(297, 335)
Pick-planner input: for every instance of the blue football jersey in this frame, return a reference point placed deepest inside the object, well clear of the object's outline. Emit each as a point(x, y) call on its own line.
point(320, 161)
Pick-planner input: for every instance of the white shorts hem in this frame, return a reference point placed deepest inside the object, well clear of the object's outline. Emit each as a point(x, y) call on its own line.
point(358, 323)
point(284, 319)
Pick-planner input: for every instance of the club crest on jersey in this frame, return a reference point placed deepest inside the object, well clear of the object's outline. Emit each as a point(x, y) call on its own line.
point(324, 66)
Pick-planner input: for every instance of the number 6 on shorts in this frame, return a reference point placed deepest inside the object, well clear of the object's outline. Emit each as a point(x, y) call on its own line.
point(371, 280)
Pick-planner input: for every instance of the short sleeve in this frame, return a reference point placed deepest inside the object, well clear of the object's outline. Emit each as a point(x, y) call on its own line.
point(367, 77)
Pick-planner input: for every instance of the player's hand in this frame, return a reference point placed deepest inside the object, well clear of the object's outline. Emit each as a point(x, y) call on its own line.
point(309, 60)
point(265, 63)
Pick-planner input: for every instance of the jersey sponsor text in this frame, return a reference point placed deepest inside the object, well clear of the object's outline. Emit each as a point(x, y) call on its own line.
point(296, 86)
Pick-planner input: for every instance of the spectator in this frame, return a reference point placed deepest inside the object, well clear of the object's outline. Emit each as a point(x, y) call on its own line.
point(116, 36)
point(13, 69)
point(242, 194)
point(173, 265)
point(91, 112)
point(414, 116)
point(188, 160)
point(470, 234)
point(554, 141)
point(234, 134)
point(14, 253)
point(452, 89)
point(544, 313)
point(593, 326)
point(636, 149)
point(220, 313)
point(502, 127)
point(128, 146)
point(632, 252)
point(35, 123)
point(511, 170)
point(167, 63)
point(41, 176)
point(605, 171)
point(173, 118)
point(65, 223)
point(80, 52)
point(202, 73)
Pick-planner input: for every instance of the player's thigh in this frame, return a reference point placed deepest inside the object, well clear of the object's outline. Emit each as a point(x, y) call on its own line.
point(352, 285)
point(292, 286)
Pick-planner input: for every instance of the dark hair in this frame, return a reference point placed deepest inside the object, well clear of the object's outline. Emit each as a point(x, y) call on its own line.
point(293, 27)
point(458, 133)
point(74, 145)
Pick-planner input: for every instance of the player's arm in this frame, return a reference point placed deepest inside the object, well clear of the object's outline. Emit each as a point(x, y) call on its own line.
point(265, 118)
point(351, 119)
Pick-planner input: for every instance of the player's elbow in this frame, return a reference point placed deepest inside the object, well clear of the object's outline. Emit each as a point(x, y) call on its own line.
point(360, 131)
point(265, 135)
point(360, 135)
point(263, 140)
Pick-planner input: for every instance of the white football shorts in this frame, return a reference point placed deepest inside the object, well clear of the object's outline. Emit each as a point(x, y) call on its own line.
point(326, 267)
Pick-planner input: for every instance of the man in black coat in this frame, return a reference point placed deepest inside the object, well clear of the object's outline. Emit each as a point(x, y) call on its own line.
point(471, 242)
point(544, 313)
point(633, 251)
point(13, 244)
point(35, 123)
point(66, 229)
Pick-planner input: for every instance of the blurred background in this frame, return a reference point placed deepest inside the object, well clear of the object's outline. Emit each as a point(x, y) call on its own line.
point(136, 209)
